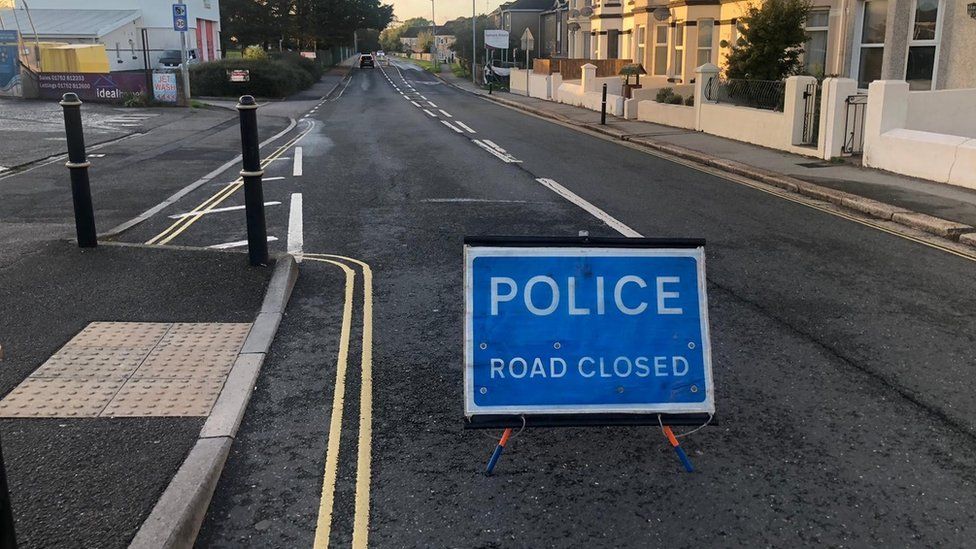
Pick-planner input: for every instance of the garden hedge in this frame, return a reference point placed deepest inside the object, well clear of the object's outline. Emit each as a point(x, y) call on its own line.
point(268, 78)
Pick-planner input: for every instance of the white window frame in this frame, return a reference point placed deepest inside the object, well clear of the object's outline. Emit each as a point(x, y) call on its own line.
point(640, 44)
point(677, 51)
point(824, 29)
point(661, 71)
point(711, 39)
point(940, 16)
point(858, 36)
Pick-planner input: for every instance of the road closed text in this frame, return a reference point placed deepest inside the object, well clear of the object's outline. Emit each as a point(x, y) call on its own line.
point(588, 367)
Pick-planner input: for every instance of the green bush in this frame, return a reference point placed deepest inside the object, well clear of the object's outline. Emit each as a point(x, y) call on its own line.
point(664, 95)
point(676, 99)
point(267, 78)
point(255, 52)
point(311, 66)
point(690, 101)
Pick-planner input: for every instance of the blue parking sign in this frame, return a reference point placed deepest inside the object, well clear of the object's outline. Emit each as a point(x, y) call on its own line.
point(586, 329)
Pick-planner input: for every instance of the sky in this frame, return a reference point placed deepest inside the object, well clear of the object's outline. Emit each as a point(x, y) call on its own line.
point(444, 10)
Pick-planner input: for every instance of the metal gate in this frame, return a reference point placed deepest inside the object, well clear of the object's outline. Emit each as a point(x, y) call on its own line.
point(811, 114)
point(854, 123)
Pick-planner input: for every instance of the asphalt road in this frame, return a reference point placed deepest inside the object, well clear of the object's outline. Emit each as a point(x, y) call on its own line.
point(842, 354)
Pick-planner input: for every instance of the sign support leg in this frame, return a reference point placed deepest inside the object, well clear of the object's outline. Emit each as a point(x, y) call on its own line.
point(498, 451)
point(677, 449)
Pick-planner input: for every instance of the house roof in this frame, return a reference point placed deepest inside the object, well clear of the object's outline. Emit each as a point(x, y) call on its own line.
point(67, 22)
point(412, 32)
point(536, 5)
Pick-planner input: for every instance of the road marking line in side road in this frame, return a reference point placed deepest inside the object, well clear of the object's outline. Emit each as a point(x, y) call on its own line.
point(448, 124)
point(236, 244)
point(445, 113)
point(431, 103)
point(422, 97)
point(415, 104)
point(219, 210)
point(430, 113)
point(296, 170)
point(296, 238)
point(593, 210)
point(465, 126)
point(360, 531)
point(323, 525)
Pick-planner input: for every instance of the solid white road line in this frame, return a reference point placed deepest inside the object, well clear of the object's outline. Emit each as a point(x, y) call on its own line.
point(494, 145)
point(596, 212)
point(296, 238)
point(501, 156)
point(218, 210)
point(449, 125)
point(445, 113)
point(430, 113)
point(465, 126)
point(296, 170)
point(236, 244)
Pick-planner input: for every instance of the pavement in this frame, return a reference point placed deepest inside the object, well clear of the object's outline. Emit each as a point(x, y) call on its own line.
point(842, 345)
point(936, 199)
point(91, 482)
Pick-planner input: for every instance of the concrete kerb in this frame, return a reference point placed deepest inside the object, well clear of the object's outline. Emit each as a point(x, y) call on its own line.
point(951, 230)
point(176, 518)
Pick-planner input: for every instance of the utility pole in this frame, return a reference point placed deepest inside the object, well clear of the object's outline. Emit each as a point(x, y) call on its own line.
point(433, 36)
point(474, 41)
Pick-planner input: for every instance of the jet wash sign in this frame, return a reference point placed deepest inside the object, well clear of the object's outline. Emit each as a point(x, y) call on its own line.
point(616, 326)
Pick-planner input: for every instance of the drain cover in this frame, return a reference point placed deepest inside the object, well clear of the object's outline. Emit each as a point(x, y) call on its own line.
point(132, 369)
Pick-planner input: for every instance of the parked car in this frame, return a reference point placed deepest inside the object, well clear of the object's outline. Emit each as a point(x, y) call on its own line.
point(366, 59)
point(172, 59)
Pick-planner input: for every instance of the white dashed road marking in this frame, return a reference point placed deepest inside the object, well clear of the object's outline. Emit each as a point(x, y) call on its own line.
point(465, 126)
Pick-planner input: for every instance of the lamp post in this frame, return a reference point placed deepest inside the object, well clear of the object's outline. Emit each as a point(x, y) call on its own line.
point(474, 41)
point(433, 37)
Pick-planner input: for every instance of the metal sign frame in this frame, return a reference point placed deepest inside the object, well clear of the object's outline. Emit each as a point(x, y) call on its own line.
point(586, 415)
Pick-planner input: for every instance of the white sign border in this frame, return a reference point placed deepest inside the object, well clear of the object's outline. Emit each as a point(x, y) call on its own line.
point(474, 251)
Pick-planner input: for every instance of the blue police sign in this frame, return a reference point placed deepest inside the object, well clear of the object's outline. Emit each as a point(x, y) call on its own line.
point(586, 329)
point(179, 17)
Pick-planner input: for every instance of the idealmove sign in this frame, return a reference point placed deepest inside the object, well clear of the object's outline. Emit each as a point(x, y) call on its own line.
point(590, 329)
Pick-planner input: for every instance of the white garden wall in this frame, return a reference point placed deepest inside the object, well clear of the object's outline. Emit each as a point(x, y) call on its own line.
point(890, 144)
point(951, 112)
point(539, 86)
point(518, 81)
point(678, 116)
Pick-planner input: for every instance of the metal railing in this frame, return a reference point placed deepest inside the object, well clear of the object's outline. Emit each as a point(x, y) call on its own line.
point(757, 94)
point(854, 123)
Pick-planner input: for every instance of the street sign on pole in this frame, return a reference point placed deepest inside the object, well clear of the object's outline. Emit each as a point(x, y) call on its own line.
point(586, 329)
point(181, 25)
point(528, 44)
point(180, 22)
point(495, 38)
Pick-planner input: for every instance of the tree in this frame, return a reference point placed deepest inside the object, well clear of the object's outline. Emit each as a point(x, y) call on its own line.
point(299, 24)
point(390, 37)
point(772, 41)
point(461, 29)
point(424, 41)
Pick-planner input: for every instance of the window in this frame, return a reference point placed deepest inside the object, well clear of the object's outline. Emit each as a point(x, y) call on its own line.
point(923, 47)
point(661, 50)
point(677, 67)
point(705, 32)
point(871, 43)
point(815, 50)
point(641, 44)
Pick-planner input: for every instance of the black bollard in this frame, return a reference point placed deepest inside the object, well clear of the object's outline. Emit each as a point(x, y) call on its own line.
point(257, 233)
point(489, 87)
point(7, 538)
point(78, 167)
point(603, 107)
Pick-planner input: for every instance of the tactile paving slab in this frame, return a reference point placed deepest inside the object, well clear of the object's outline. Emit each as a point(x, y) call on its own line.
point(115, 369)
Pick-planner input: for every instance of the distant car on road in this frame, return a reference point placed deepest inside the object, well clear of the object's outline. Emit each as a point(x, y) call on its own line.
point(172, 59)
point(366, 59)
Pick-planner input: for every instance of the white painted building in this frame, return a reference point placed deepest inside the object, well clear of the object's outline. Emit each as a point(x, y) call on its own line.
point(125, 44)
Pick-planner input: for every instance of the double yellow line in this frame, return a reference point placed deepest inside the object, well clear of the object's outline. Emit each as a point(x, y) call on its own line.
point(323, 528)
point(185, 222)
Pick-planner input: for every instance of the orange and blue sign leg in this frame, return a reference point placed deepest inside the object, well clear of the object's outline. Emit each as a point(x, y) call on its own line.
point(498, 451)
point(677, 449)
